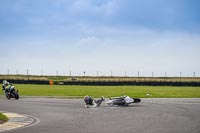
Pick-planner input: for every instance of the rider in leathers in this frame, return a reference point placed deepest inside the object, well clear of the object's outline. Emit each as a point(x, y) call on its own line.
point(90, 102)
point(6, 86)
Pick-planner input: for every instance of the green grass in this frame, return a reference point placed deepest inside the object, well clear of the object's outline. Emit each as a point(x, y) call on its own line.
point(3, 117)
point(108, 91)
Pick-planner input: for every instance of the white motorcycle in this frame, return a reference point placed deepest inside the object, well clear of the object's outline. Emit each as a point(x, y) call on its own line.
point(122, 101)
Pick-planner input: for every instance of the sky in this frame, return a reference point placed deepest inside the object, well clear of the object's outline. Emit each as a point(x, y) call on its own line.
point(100, 37)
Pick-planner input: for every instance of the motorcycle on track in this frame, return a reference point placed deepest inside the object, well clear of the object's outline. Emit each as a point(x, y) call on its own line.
point(12, 94)
point(9, 90)
point(122, 101)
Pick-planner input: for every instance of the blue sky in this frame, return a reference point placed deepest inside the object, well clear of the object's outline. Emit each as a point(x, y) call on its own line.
point(107, 36)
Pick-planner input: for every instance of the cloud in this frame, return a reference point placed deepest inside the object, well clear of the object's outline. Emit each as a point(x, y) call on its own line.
point(146, 51)
point(93, 13)
point(103, 7)
point(100, 35)
point(37, 18)
point(141, 50)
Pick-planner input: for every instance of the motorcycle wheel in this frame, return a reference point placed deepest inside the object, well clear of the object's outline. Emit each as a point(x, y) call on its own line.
point(16, 95)
point(7, 96)
point(136, 100)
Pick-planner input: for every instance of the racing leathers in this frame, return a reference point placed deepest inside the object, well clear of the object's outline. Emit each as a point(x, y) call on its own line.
point(90, 102)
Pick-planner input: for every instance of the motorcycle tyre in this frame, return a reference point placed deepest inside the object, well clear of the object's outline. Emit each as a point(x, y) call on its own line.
point(16, 95)
point(136, 100)
point(7, 96)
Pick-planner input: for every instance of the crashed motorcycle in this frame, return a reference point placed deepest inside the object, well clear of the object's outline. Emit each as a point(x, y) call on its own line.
point(11, 93)
point(122, 101)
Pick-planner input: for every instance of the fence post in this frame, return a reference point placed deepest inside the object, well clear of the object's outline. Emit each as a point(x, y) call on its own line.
point(84, 73)
point(41, 72)
point(70, 73)
point(27, 72)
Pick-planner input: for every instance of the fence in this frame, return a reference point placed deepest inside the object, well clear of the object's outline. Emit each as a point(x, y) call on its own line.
point(109, 83)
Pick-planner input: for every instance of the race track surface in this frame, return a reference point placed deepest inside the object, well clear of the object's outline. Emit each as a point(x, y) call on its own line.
point(70, 116)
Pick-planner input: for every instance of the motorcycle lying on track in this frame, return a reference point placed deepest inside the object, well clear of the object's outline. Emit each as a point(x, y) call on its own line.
point(122, 101)
point(12, 93)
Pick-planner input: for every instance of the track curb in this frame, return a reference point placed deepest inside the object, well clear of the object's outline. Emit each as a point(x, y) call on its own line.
point(17, 121)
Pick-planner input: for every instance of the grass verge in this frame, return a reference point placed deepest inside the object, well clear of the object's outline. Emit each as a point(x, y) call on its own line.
point(108, 91)
point(3, 118)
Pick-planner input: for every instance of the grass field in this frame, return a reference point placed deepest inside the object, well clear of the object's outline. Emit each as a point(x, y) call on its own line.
point(108, 91)
point(3, 118)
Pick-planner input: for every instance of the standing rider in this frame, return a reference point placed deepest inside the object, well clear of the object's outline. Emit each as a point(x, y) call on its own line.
point(90, 102)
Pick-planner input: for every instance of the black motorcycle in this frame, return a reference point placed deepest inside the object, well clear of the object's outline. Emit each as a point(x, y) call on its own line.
point(12, 93)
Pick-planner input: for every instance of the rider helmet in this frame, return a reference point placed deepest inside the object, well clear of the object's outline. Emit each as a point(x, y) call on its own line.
point(5, 82)
point(88, 99)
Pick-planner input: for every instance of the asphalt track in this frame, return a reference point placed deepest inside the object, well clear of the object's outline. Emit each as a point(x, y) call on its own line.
point(70, 116)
